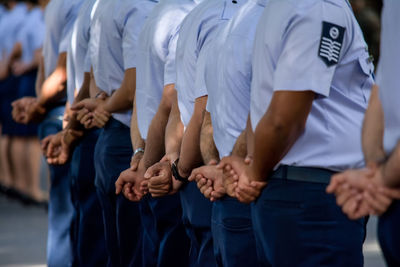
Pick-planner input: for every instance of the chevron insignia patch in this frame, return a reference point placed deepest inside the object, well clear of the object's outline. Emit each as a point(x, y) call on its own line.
point(331, 43)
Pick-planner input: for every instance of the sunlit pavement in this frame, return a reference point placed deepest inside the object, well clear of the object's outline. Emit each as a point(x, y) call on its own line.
point(23, 237)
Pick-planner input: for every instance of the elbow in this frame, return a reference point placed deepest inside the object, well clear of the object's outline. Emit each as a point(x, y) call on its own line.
point(131, 98)
point(290, 128)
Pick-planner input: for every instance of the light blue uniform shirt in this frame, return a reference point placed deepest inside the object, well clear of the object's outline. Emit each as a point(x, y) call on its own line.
point(315, 45)
point(3, 11)
point(196, 30)
point(229, 99)
point(389, 73)
point(113, 46)
point(32, 34)
point(78, 61)
point(10, 26)
point(59, 18)
point(157, 48)
point(209, 63)
point(206, 70)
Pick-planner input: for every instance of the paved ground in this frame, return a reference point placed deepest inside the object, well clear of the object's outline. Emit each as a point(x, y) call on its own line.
point(23, 237)
point(22, 234)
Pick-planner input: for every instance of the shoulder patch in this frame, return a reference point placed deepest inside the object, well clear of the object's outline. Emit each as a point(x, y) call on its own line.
point(331, 43)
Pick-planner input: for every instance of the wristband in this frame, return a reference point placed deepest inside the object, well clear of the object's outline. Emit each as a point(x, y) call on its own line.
point(175, 173)
point(99, 94)
point(138, 150)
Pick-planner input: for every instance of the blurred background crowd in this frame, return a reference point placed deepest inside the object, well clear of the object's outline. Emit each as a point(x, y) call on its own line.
point(22, 28)
point(22, 32)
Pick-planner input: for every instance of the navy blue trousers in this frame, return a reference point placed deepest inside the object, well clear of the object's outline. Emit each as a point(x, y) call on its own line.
point(232, 230)
point(196, 217)
point(164, 239)
point(298, 224)
point(88, 238)
point(61, 210)
point(8, 94)
point(26, 87)
point(121, 219)
point(389, 234)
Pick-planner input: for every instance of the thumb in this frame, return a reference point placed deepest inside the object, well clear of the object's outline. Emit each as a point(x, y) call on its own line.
point(150, 172)
point(78, 106)
point(165, 159)
point(212, 162)
point(135, 163)
point(75, 133)
point(248, 159)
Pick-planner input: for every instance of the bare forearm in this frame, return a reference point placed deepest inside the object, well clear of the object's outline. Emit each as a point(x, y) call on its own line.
point(273, 142)
point(391, 169)
point(122, 99)
point(53, 88)
point(373, 128)
point(190, 155)
point(155, 145)
point(136, 138)
point(15, 53)
point(208, 149)
point(155, 141)
point(174, 130)
point(240, 147)
point(39, 76)
point(84, 90)
point(93, 89)
point(279, 129)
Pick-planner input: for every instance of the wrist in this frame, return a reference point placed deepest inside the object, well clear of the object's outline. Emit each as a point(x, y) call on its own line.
point(101, 95)
point(139, 150)
point(175, 172)
point(254, 174)
point(40, 102)
point(172, 157)
point(183, 172)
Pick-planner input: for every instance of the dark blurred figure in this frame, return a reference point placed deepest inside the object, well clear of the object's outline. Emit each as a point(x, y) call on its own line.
point(368, 13)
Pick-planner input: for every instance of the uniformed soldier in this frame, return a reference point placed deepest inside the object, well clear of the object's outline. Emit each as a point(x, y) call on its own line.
point(48, 108)
point(389, 235)
point(10, 25)
point(25, 58)
point(113, 52)
point(88, 236)
point(229, 105)
point(165, 242)
point(198, 29)
point(311, 82)
point(375, 190)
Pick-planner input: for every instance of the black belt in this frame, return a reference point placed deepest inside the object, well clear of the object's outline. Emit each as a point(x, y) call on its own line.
point(303, 174)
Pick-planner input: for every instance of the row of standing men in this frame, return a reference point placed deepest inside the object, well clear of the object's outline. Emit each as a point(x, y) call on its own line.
point(21, 32)
point(237, 102)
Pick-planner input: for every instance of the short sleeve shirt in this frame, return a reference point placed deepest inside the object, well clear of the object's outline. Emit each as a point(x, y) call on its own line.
point(32, 34)
point(78, 50)
point(388, 73)
point(196, 28)
point(209, 69)
point(157, 49)
point(230, 98)
point(315, 45)
point(10, 26)
point(59, 18)
point(113, 47)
